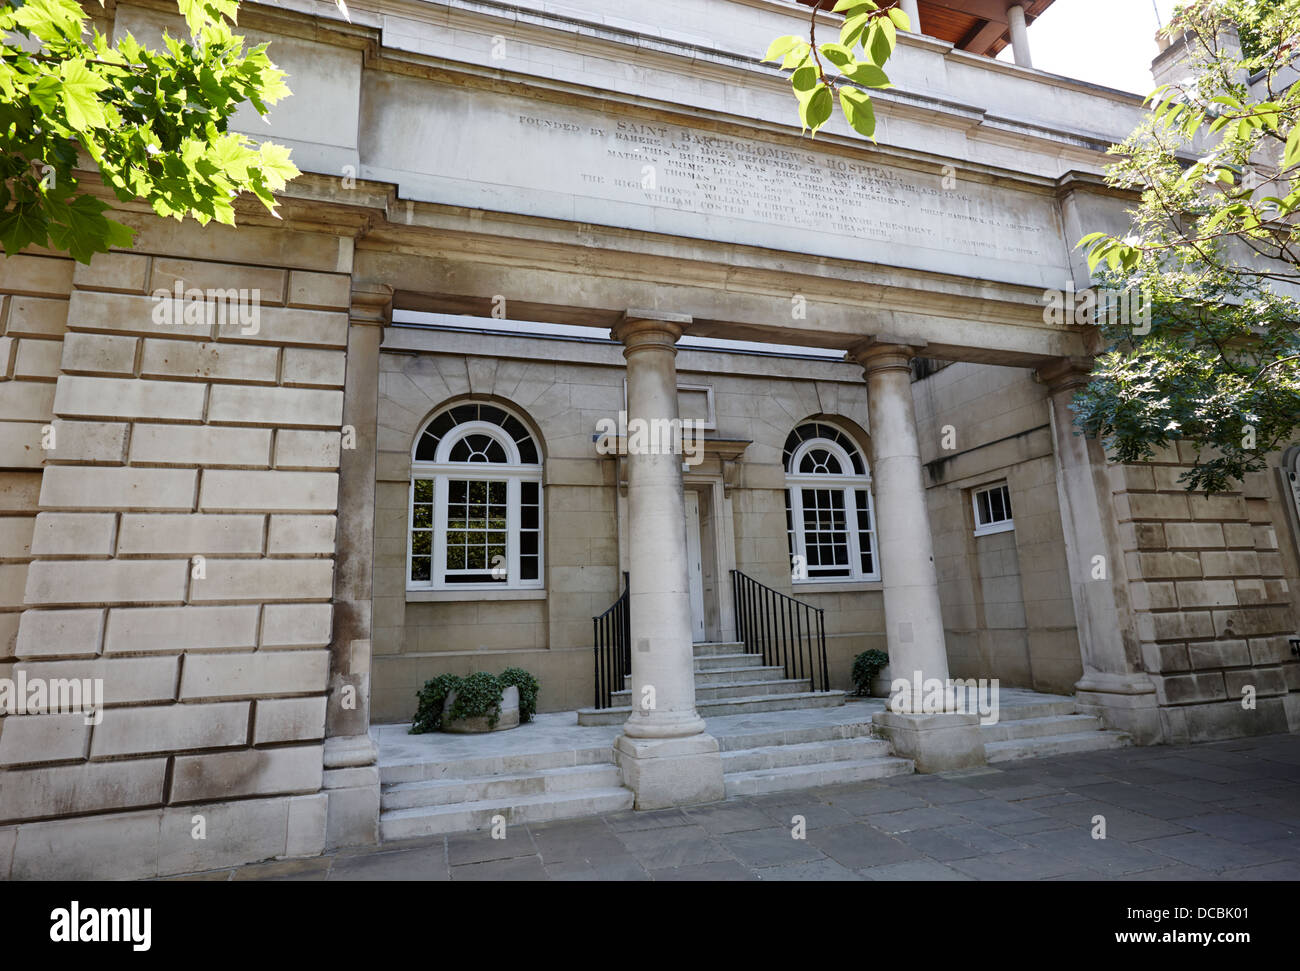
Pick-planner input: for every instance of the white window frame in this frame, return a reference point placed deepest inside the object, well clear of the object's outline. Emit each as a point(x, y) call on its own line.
point(846, 484)
point(514, 473)
point(1000, 526)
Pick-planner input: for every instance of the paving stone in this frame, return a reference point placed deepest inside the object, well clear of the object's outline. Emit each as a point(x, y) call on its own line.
point(938, 845)
point(1238, 827)
point(315, 868)
point(1142, 800)
point(769, 847)
point(1022, 864)
point(857, 846)
point(1207, 852)
point(913, 870)
point(677, 846)
point(480, 847)
point(1281, 870)
point(1176, 872)
point(570, 841)
point(621, 870)
point(910, 820)
point(518, 868)
point(992, 812)
point(730, 817)
point(631, 822)
point(935, 791)
point(825, 869)
point(429, 863)
point(728, 870)
point(816, 815)
point(878, 800)
point(1121, 824)
point(982, 839)
point(1106, 857)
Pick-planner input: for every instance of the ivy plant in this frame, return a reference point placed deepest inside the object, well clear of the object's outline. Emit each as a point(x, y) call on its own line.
point(477, 695)
point(866, 666)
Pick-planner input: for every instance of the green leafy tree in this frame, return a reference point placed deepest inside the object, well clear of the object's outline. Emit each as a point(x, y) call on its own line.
point(847, 67)
point(1215, 245)
point(155, 123)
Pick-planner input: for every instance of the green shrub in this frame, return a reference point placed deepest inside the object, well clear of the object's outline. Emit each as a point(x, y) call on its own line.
point(528, 689)
point(866, 666)
point(477, 695)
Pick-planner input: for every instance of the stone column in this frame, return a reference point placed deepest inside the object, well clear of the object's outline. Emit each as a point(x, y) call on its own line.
point(913, 14)
point(936, 736)
point(1019, 35)
point(666, 757)
point(1114, 686)
point(351, 778)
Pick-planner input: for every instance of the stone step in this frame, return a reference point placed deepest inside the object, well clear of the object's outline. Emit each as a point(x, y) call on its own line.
point(1003, 731)
point(708, 648)
point(465, 817)
point(731, 689)
point(749, 672)
point(725, 706)
point(716, 661)
point(805, 753)
point(1036, 748)
point(421, 770)
point(446, 791)
point(1035, 709)
point(817, 774)
point(795, 736)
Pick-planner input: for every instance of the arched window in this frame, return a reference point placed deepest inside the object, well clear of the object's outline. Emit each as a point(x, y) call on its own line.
point(476, 502)
point(829, 518)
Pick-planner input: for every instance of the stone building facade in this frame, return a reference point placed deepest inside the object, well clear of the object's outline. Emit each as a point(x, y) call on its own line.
point(216, 515)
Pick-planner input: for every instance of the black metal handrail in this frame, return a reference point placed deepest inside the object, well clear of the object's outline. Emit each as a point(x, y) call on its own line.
point(787, 632)
point(613, 648)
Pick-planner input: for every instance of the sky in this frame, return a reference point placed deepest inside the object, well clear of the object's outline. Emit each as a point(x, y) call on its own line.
point(1110, 42)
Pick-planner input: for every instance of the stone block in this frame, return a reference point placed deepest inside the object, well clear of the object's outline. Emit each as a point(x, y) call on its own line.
point(295, 449)
point(319, 291)
point(289, 535)
point(88, 787)
point(264, 673)
point(83, 397)
point(140, 630)
point(75, 487)
point(252, 772)
point(126, 680)
point(271, 491)
point(297, 625)
point(190, 534)
point(106, 582)
point(32, 738)
point(211, 361)
point(310, 366)
point(1218, 654)
point(289, 720)
point(170, 728)
point(59, 633)
point(74, 534)
point(260, 580)
point(241, 405)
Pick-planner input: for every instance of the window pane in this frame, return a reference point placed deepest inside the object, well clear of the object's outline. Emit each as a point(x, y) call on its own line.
point(420, 572)
point(422, 544)
point(422, 517)
point(424, 490)
point(528, 567)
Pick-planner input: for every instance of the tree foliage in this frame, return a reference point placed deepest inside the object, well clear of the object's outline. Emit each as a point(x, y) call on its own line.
point(1215, 245)
point(156, 123)
point(848, 66)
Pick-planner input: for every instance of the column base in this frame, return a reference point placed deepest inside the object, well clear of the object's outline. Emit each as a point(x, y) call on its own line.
point(351, 787)
point(935, 742)
point(1123, 702)
point(671, 772)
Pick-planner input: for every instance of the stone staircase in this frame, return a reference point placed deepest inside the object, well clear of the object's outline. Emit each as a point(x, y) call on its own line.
point(800, 750)
point(1033, 726)
point(431, 797)
point(728, 682)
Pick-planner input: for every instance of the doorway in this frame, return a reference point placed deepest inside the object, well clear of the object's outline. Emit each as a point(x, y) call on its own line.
point(695, 565)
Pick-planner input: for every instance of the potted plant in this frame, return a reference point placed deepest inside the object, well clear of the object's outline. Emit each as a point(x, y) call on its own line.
point(866, 674)
point(479, 702)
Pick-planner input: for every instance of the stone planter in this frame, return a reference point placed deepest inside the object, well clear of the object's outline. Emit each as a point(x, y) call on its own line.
point(470, 726)
point(880, 683)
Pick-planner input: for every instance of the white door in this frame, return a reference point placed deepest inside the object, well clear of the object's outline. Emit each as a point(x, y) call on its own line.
point(694, 566)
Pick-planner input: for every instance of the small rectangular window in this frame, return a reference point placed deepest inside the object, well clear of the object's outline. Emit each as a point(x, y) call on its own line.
point(992, 509)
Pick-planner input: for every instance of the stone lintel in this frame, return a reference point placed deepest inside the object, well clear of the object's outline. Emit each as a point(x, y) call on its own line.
point(372, 304)
point(1065, 373)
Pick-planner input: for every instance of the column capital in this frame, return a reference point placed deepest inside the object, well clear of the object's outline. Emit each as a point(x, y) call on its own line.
point(640, 328)
point(372, 304)
point(884, 352)
point(1065, 373)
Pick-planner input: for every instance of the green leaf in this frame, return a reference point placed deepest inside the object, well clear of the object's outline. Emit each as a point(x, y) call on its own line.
point(868, 75)
point(837, 54)
point(854, 5)
point(79, 95)
point(900, 18)
point(781, 47)
point(858, 111)
point(815, 110)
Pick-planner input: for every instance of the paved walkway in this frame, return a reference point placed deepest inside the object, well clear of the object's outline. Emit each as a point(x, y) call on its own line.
point(1224, 810)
